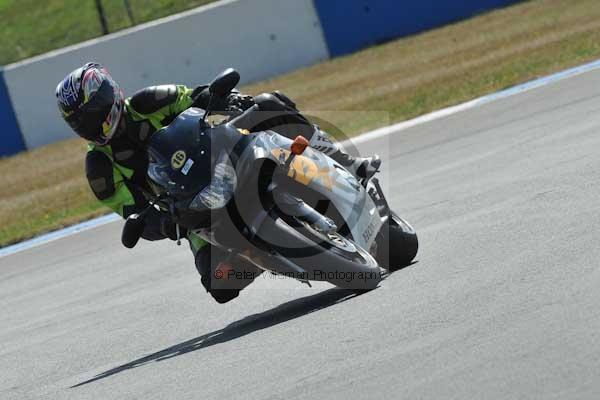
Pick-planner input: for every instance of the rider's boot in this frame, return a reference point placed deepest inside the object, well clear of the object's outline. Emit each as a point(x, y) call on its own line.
point(360, 167)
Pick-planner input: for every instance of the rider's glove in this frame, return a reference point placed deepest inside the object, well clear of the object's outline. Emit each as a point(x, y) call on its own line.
point(159, 225)
point(238, 103)
point(169, 229)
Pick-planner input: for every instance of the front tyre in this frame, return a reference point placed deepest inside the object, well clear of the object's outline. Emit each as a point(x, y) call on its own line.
point(325, 257)
point(397, 245)
point(359, 264)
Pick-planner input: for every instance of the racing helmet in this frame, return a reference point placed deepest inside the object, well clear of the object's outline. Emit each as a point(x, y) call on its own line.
point(91, 102)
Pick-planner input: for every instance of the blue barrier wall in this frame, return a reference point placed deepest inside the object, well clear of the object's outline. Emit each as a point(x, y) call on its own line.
point(11, 141)
point(350, 25)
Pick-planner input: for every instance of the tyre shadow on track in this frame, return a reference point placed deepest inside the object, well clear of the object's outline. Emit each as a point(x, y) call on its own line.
point(252, 323)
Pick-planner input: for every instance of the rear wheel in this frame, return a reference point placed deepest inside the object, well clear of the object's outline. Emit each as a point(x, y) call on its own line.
point(397, 245)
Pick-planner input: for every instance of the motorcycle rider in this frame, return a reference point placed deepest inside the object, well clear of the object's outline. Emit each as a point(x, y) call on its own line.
point(118, 130)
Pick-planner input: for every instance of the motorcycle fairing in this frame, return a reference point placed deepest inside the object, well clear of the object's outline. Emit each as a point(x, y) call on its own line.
point(322, 174)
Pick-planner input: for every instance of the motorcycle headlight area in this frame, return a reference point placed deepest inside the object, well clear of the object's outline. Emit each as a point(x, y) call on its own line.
point(221, 188)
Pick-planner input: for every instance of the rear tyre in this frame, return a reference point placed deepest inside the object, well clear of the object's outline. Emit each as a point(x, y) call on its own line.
point(397, 245)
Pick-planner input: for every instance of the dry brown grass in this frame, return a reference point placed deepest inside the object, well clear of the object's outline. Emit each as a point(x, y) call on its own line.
point(45, 189)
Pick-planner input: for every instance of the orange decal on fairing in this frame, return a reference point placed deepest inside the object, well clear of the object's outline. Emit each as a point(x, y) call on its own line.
point(305, 170)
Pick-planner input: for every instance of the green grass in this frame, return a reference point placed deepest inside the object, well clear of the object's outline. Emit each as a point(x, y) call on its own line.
point(31, 27)
point(46, 188)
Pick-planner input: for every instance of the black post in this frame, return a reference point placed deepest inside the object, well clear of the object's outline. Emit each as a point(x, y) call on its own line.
point(102, 17)
point(129, 12)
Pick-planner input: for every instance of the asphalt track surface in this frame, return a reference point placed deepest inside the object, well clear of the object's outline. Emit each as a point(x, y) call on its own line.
point(503, 302)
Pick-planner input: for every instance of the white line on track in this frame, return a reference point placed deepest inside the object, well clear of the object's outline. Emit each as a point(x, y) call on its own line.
point(378, 133)
point(559, 76)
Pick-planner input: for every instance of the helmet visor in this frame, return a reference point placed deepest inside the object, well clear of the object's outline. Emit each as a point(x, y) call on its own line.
point(88, 120)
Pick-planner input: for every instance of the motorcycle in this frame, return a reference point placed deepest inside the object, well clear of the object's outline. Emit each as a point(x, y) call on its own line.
point(272, 201)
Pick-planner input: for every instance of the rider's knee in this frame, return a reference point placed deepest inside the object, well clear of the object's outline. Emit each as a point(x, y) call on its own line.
point(269, 102)
point(284, 99)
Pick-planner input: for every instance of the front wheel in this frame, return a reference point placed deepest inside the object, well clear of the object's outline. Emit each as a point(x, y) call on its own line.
point(397, 245)
point(325, 257)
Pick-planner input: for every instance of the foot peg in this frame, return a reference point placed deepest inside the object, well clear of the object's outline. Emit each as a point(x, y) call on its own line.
point(367, 167)
point(361, 167)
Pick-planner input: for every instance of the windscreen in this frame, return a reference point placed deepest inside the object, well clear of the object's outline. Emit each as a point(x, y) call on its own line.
point(180, 155)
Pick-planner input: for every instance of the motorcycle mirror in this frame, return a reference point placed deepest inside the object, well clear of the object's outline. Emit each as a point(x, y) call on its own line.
point(132, 230)
point(299, 144)
point(225, 82)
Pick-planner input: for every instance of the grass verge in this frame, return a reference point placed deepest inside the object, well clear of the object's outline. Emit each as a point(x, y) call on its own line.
point(46, 188)
point(66, 22)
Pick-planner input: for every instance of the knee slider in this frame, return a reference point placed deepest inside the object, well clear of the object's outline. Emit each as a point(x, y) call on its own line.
point(269, 102)
point(286, 100)
point(223, 296)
